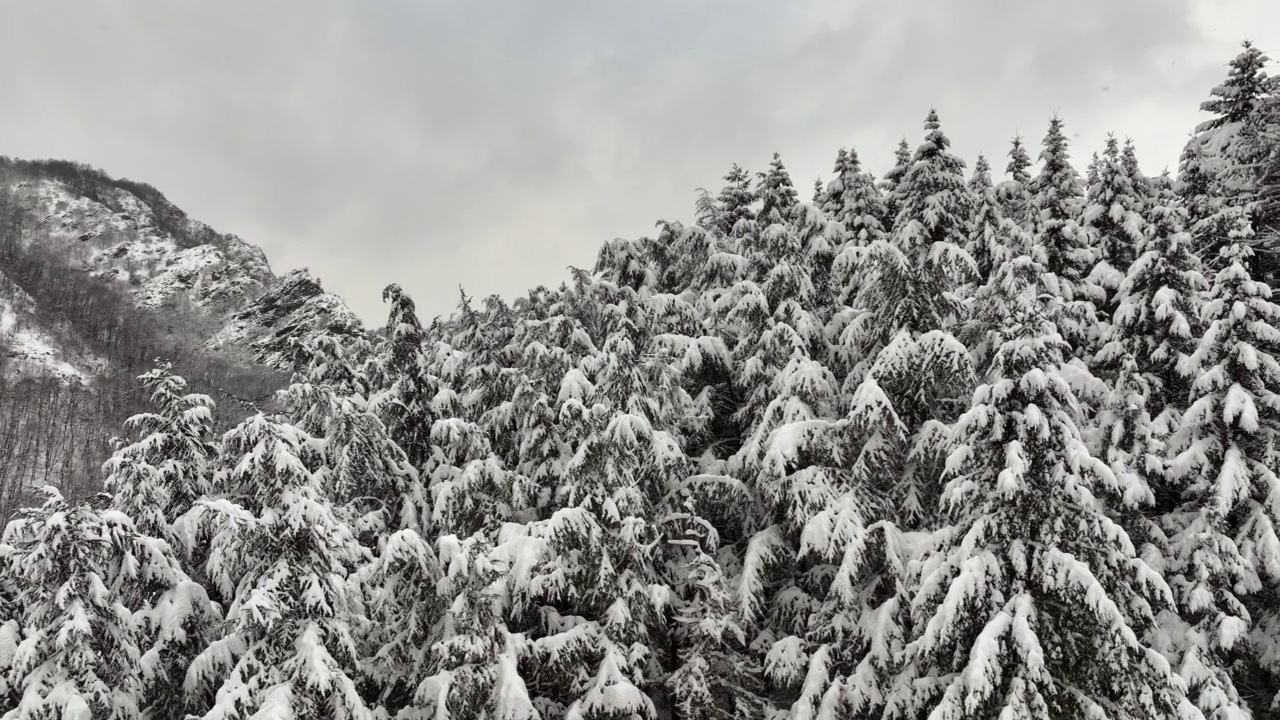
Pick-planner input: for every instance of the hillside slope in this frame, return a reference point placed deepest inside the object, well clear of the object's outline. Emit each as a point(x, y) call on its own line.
point(100, 278)
point(165, 263)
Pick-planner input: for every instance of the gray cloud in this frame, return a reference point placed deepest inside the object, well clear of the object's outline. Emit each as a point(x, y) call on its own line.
point(493, 144)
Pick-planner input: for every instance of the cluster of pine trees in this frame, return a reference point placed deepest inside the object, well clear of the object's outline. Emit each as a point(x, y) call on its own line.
point(928, 446)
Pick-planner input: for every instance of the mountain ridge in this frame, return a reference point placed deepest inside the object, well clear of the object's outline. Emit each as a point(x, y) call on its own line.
point(161, 260)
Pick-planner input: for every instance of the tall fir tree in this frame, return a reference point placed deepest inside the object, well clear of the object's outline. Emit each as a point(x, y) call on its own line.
point(1059, 203)
point(1113, 215)
point(992, 236)
point(1015, 193)
point(1157, 322)
point(1028, 550)
point(403, 388)
point(159, 477)
point(286, 559)
point(1229, 156)
point(81, 648)
point(732, 205)
point(1223, 545)
point(908, 304)
point(778, 196)
point(891, 183)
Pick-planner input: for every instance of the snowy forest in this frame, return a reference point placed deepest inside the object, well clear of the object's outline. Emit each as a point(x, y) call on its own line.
point(944, 443)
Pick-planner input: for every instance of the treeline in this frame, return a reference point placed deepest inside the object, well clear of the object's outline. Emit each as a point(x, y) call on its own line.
point(931, 445)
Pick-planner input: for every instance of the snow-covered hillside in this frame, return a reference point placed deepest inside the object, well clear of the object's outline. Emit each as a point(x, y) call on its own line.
point(164, 262)
point(28, 349)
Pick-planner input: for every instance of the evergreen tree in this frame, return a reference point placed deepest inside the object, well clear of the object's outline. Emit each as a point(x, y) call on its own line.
point(1222, 539)
point(1058, 204)
point(1113, 215)
point(360, 465)
point(284, 558)
point(598, 589)
point(991, 237)
point(1228, 155)
point(892, 184)
point(158, 478)
point(731, 206)
point(1028, 551)
point(1143, 186)
point(1015, 193)
point(907, 306)
point(469, 669)
point(80, 651)
point(10, 630)
point(404, 389)
point(715, 677)
point(831, 199)
point(930, 234)
point(777, 193)
point(1157, 321)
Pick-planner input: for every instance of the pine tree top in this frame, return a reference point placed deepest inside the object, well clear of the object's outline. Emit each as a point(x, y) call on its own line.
point(1246, 87)
point(980, 180)
point(1019, 161)
point(778, 193)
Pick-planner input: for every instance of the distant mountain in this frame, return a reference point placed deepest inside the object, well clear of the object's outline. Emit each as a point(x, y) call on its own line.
point(166, 264)
point(100, 278)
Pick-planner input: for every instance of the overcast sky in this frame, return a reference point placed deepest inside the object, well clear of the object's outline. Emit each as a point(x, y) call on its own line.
point(491, 144)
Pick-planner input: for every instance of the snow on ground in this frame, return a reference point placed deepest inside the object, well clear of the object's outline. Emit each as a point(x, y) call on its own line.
point(29, 350)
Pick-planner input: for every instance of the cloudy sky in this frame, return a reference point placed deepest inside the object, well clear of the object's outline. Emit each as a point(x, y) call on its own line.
point(492, 144)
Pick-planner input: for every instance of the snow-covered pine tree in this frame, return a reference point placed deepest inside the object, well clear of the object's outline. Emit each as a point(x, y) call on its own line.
point(991, 238)
point(857, 634)
point(892, 184)
point(1057, 226)
point(1015, 193)
point(284, 557)
point(777, 193)
point(910, 274)
point(1032, 602)
point(715, 676)
point(1091, 172)
point(791, 461)
point(1223, 544)
point(441, 649)
point(860, 212)
point(405, 608)
point(174, 616)
point(1157, 321)
point(1058, 201)
point(906, 306)
point(598, 596)
point(10, 629)
point(471, 489)
point(158, 478)
point(1133, 445)
point(403, 388)
point(830, 200)
point(862, 206)
point(731, 206)
point(80, 651)
point(360, 466)
point(1143, 186)
point(1231, 151)
point(541, 415)
point(1113, 215)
